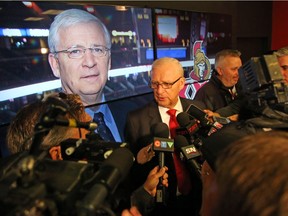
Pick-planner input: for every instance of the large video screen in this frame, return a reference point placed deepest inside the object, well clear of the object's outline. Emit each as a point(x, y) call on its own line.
point(25, 72)
point(193, 38)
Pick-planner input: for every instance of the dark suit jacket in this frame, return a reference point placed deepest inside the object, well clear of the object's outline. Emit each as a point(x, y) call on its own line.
point(138, 135)
point(120, 108)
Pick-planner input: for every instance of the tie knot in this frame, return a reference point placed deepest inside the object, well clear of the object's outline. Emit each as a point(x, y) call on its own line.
point(172, 112)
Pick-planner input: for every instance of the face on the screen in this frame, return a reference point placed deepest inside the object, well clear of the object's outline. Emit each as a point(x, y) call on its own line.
point(85, 76)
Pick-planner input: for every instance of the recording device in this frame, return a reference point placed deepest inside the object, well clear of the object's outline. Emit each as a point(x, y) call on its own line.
point(206, 127)
point(106, 180)
point(188, 126)
point(189, 153)
point(262, 82)
point(95, 151)
point(36, 185)
point(74, 123)
point(51, 187)
point(161, 144)
point(199, 114)
point(222, 120)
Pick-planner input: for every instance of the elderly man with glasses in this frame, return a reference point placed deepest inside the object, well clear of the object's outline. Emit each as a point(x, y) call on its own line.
point(167, 80)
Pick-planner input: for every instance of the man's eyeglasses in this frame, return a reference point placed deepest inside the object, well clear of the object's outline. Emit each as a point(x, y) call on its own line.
point(78, 52)
point(164, 85)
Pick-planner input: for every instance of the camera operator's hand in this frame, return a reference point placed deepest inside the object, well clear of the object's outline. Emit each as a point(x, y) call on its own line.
point(234, 117)
point(133, 211)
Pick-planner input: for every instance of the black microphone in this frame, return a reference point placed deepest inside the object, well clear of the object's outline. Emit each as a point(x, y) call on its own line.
point(74, 123)
point(188, 153)
point(188, 126)
point(107, 178)
point(161, 144)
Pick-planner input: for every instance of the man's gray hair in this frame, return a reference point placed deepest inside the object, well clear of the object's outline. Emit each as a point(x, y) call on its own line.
point(281, 52)
point(69, 18)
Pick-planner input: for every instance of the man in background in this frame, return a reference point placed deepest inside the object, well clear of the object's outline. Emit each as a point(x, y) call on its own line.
point(282, 56)
point(223, 86)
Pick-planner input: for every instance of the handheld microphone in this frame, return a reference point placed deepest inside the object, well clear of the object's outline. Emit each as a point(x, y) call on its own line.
point(189, 153)
point(188, 126)
point(161, 144)
point(74, 123)
point(107, 178)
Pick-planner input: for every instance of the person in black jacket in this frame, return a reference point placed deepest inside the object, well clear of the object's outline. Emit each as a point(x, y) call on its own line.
point(223, 86)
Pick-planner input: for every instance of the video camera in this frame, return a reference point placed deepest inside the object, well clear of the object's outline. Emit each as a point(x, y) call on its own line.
point(41, 186)
point(83, 183)
point(263, 83)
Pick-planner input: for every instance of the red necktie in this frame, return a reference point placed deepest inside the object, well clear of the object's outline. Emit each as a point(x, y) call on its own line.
point(182, 174)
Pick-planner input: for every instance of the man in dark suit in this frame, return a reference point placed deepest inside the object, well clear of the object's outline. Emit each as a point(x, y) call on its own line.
point(167, 80)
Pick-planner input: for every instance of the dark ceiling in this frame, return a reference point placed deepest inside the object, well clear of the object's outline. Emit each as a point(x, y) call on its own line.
point(38, 14)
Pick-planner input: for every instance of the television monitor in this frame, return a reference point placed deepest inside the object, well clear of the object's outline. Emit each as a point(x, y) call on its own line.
point(25, 72)
point(193, 38)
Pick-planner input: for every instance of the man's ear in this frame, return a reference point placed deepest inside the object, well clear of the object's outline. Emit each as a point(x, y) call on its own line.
point(54, 64)
point(182, 82)
point(219, 71)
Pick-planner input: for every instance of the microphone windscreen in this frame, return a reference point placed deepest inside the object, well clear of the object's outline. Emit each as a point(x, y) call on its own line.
point(180, 141)
point(121, 159)
point(183, 119)
point(160, 130)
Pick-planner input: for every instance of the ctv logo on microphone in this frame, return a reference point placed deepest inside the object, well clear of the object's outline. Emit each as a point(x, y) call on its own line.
point(163, 144)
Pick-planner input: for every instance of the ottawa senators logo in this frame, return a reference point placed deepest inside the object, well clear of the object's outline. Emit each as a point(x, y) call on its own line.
point(202, 66)
point(200, 74)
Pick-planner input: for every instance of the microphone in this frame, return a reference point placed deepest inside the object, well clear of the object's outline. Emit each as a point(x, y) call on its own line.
point(107, 178)
point(161, 144)
point(74, 123)
point(188, 126)
point(189, 153)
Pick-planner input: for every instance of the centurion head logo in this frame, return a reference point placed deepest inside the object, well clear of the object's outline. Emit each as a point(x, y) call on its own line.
point(202, 66)
point(200, 74)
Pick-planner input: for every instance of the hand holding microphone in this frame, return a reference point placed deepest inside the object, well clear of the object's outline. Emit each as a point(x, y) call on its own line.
point(162, 144)
point(156, 174)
